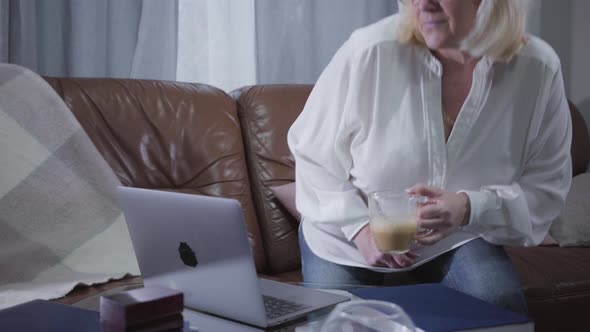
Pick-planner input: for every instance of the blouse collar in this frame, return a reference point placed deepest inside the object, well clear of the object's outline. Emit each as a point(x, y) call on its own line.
point(434, 65)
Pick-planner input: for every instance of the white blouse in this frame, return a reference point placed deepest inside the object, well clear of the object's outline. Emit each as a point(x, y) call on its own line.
point(374, 122)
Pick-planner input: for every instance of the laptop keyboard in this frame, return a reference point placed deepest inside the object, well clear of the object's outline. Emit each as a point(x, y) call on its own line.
point(278, 307)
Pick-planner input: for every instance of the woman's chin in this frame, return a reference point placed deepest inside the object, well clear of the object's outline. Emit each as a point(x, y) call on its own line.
point(436, 42)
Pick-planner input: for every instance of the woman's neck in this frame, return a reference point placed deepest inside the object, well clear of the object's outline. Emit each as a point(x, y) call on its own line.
point(455, 57)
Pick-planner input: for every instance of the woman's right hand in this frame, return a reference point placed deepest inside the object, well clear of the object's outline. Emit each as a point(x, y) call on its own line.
point(366, 245)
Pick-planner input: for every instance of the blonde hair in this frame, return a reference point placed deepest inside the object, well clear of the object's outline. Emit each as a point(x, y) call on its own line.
point(499, 30)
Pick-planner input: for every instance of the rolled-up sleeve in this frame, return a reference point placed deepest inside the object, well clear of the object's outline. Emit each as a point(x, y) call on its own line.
point(521, 213)
point(320, 141)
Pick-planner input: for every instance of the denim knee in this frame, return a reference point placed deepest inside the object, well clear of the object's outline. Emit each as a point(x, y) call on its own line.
point(485, 271)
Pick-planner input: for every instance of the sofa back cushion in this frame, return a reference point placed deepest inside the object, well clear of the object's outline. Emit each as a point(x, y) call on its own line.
point(165, 135)
point(266, 114)
point(580, 142)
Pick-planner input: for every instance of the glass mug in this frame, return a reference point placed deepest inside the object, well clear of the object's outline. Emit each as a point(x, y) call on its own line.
point(393, 218)
point(368, 316)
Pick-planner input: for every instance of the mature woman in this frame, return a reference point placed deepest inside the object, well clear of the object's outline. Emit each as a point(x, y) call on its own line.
point(449, 99)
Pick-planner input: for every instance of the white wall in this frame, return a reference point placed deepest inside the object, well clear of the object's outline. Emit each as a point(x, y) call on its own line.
point(534, 25)
point(565, 24)
point(580, 75)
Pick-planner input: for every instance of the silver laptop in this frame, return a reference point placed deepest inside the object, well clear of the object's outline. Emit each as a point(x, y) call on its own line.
point(199, 245)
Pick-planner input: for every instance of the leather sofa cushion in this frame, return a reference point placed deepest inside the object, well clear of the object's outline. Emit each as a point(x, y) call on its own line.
point(556, 284)
point(266, 114)
point(166, 135)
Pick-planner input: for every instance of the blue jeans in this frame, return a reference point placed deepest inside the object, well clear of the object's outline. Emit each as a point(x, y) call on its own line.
point(477, 268)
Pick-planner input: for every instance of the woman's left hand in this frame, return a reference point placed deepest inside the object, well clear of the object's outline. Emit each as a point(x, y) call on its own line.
point(443, 213)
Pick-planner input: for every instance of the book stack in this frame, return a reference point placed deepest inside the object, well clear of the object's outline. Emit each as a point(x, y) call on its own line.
point(150, 309)
point(47, 316)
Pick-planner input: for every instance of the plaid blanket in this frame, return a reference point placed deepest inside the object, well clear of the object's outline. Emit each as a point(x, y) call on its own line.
point(60, 224)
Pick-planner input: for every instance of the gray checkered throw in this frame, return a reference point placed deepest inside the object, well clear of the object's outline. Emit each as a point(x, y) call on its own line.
point(60, 224)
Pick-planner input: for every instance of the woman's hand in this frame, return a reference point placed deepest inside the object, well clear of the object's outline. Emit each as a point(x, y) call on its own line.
point(366, 245)
point(444, 212)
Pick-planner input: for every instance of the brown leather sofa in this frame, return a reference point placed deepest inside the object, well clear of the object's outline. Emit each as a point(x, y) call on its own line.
point(194, 138)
